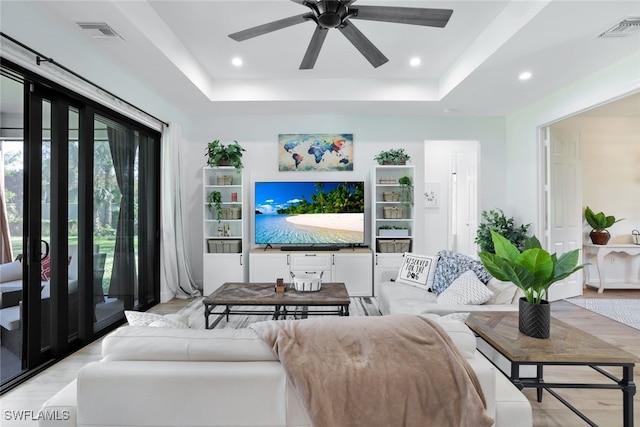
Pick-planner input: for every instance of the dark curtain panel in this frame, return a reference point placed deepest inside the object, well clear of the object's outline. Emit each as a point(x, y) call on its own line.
point(123, 148)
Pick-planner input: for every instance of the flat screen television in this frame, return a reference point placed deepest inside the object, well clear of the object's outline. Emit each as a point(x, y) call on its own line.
point(309, 213)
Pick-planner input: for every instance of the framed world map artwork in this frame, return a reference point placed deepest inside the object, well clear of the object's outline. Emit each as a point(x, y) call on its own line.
point(315, 152)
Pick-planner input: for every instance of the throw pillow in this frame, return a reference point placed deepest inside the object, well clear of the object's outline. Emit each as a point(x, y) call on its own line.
point(503, 292)
point(451, 265)
point(45, 271)
point(417, 270)
point(466, 289)
point(138, 318)
point(10, 271)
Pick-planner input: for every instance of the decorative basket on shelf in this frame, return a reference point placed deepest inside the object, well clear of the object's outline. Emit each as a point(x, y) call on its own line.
point(390, 196)
point(388, 180)
point(231, 213)
point(306, 282)
point(392, 212)
point(224, 179)
point(394, 245)
point(635, 235)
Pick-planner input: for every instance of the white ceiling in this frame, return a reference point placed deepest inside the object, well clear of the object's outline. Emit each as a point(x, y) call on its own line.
point(180, 51)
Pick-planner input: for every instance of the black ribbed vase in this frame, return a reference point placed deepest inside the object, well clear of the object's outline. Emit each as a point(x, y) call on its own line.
point(535, 319)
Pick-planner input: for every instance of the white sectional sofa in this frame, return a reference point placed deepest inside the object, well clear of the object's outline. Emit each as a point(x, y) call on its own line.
point(399, 298)
point(191, 377)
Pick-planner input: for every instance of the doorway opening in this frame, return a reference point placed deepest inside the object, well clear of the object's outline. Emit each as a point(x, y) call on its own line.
point(451, 176)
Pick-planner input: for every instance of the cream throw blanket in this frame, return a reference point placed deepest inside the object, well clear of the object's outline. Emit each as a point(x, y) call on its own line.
point(398, 370)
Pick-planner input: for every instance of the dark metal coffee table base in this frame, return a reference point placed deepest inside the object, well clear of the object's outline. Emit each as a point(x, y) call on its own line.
point(263, 294)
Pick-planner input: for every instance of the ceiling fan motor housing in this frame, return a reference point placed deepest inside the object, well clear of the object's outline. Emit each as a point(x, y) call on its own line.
point(329, 14)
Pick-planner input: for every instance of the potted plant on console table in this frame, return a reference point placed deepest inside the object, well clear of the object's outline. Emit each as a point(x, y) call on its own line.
point(599, 222)
point(533, 270)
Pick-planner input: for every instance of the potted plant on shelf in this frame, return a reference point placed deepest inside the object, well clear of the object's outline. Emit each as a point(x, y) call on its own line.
point(495, 220)
point(406, 190)
point(215, 199)
point(533, 270)
point(394, 156)
point(599, 222)
point(219, 154)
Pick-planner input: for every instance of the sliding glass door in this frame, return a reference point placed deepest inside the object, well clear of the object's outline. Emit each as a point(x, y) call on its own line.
point(79, 221)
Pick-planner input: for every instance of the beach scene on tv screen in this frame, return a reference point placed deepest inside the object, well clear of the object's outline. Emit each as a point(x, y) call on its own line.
point(309, 212)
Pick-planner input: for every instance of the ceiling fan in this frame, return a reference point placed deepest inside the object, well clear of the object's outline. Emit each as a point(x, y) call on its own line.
point(338, 14)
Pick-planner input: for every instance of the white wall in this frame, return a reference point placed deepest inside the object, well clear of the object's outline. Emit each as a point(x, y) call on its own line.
point(610, 148)
point(372, 134)
point(523, 165)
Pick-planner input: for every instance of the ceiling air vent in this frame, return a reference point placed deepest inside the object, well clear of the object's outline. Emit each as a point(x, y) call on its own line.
point(100, 30)
point(629, 26)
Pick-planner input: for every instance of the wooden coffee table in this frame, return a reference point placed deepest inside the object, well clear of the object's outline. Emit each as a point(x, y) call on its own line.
point(567, 345)
point(232, 294)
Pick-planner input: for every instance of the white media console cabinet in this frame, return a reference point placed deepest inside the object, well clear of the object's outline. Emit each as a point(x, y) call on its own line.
point(351, 266)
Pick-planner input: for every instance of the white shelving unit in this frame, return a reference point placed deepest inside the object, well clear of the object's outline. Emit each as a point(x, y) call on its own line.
point(224, 235)
point(389, 211)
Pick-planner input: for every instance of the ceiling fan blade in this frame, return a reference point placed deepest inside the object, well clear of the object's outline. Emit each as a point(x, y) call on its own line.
point(270, 26)
point(313, 50)
point(298, 1)
point(363, 44)
point(404, 15)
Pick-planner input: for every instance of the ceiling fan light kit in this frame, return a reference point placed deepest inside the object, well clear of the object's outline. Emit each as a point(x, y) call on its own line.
point(328, 14)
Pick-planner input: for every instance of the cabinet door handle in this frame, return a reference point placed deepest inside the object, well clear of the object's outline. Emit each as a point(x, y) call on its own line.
point(309, 254)
point(288, 262)
point(240, 259)
point(333, 259)
point(376, 259)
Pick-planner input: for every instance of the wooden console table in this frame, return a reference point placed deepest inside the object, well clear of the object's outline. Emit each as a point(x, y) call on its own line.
point(600, 251)
point(567, 346)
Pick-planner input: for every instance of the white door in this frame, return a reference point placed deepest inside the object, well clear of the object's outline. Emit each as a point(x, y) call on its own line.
point(563, 191)
point(465, 200)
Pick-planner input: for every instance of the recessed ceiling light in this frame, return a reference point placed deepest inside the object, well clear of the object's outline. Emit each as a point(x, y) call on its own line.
point(525, 75)
point(237, 61)
point(415, 61)
point(449, 110)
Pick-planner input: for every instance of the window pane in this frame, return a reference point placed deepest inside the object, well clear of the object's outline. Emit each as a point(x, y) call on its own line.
point(11, 221)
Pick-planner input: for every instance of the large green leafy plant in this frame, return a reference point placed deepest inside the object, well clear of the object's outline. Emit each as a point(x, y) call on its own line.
point(533, 270)
point(495, 220)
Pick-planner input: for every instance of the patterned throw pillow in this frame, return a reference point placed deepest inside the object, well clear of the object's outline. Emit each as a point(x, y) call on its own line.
point(45, 272)
point(417, 270)
point(137, 318)
point(451, 265)
point(467, 290)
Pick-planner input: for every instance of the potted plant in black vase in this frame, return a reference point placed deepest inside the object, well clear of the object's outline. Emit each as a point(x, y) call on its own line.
point(219, 154)
point(599, 222)
point(533, 270)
